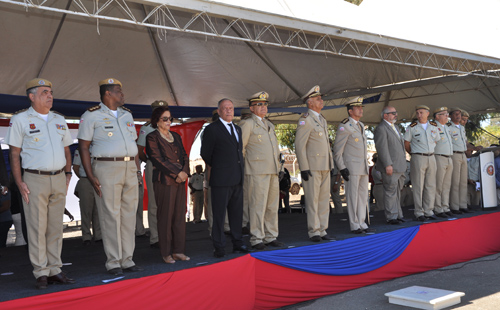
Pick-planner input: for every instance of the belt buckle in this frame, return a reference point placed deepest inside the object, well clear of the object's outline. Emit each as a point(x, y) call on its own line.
point(126, 158)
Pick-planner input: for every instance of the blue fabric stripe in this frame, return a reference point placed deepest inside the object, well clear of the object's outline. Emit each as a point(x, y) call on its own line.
point(347, 257)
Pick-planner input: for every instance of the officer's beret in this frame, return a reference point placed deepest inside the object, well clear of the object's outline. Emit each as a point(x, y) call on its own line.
point(451, 110)
point(260, 96)
point(110, 81)
point(419, 107)
point(465, 113)
point(159, 103)
point(313, 92)
point(38, 83)
point(441, 109)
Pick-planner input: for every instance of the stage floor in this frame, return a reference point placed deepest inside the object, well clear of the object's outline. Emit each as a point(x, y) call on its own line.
point(86, 264)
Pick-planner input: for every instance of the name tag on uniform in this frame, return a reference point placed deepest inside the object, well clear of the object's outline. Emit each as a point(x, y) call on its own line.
point(35, 131)
point(417, 135)
point(108, 127)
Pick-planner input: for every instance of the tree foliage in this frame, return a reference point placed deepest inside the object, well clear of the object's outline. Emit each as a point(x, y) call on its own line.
point(286, 135)
point(490, 123)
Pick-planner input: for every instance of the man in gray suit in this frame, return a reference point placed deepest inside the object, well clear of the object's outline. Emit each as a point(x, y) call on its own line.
point(391, 163)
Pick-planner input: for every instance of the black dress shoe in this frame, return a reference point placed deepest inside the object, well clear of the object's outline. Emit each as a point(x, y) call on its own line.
point(456, 212)
point(116, 271)
point(219, 253)
point(259, 246)
point(466, 211)
point(41, 283)
point(448, 213)
point(442, 215)
point(402, 220)
point(315, 238)
point(155, 245)
point(60, 278)
point(431, 217)
point(421, 218)
point(358, 231)
point(242, 249)
point(134, 268)
point(369, 230)
point(276, 244)
point(393, 222)
point(328, 238)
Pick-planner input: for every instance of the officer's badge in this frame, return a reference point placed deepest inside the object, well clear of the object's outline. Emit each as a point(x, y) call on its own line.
point(36, 139)
point(110, 134)
point(32, 126)
point(356, 140)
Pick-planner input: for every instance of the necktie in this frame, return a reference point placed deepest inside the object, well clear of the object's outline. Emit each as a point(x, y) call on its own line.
point(232, 132)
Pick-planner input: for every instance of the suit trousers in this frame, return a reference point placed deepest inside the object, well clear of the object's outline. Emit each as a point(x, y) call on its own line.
point(171, 202)
point(423, 180)
point(152, 208)
point(263, 197)
point(357, 201)
point(230, 199)
point(139, 216)
point(246, 208)
point(44, 221)
point(317, 198)
point(444, 170)
point(473, 196)
point(392, 185)
point(458, 194)
point(208, 211)
point(88, 210)
point(378, 194)
point(117, 210)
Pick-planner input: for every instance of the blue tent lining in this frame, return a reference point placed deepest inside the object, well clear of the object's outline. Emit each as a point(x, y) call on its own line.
point(347, 257)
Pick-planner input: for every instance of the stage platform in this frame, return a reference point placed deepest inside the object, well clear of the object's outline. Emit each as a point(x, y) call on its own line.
point(244, 281)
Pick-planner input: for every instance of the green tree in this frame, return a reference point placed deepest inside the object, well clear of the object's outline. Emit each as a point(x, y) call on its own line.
point(286, 135)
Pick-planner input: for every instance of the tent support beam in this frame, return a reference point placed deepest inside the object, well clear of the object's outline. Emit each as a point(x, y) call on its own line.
point(56, 35)
point(163, 67)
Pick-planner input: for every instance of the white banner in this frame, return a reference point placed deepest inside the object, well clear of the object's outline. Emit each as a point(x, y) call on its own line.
point(488, 182)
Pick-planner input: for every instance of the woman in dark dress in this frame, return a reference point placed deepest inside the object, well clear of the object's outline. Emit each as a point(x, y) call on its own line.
point(171, 167)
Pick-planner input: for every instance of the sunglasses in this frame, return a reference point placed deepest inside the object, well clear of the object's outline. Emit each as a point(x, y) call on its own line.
point(259, 104)
point(393, 113)
point(166, 119)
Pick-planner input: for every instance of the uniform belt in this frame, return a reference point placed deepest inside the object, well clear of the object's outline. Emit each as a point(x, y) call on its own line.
point(457, 152)
point(447, 156)
point(44, 172)
point(126, 158)
point(423, 154)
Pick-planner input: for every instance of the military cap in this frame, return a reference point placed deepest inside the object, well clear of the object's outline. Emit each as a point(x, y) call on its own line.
point(451, 110)
point(354, 102)
point(110, 81)
point(313, 92)
point(38, 82)
point(260, 96)
point(158, 103)
point(419, 107)
point(441, 109)
point(465, 113)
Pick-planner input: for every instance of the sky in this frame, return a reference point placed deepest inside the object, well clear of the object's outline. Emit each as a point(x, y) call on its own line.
point(467, 25)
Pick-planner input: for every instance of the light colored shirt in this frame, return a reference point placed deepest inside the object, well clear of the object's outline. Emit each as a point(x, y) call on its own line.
point(444, 145)
point(422, 140)
point(459, 138)
point(228, 127)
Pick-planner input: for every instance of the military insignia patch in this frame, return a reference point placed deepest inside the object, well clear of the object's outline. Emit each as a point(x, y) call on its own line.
point(302, 123)
point(345, 121)
point(130, 124)
point(32, 126)
point(61, 127)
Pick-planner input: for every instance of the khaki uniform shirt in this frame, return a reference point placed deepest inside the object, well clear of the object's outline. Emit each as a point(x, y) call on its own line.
point(349, 149)
point(311, 143)
point(444, 145)
point(260, 146)
point(458, 137)
point(42, 142)
point(422, 141)
point(111, 136)
point(145, 130)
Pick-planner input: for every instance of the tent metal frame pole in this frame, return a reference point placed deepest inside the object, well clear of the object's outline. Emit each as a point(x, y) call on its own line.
point(54, 39)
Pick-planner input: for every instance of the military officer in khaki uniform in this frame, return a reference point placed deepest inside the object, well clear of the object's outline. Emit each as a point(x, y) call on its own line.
point(88, 208)
point(152, 207)
point(261, 153)
point(444, 166)
point(458, 193)
point(315, 162)
point(420, 141)
point(114, 172)
point(40, 137)
point(350, 156)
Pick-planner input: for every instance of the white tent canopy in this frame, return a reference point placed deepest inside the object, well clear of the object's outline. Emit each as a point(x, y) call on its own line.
point(193, 53)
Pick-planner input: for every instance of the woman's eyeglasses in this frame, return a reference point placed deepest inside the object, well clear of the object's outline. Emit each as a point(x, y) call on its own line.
point(166, 119)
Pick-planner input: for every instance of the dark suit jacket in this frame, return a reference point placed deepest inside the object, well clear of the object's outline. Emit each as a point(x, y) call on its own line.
point(168, 159)
point(223, 154)
point(390, 148)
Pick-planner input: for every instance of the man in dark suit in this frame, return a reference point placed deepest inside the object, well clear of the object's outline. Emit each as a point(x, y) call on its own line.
point(221, 149)
point(391, 163)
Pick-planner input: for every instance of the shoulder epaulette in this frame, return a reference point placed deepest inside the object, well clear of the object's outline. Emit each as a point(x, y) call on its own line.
point(305, 115)
point(59, 114)
point(21, 111)
point(94, 108)
point(448, 124)
point(147, 123)
point(345, 121)
point(433, 123)
point(413, 124)
point(126, 109)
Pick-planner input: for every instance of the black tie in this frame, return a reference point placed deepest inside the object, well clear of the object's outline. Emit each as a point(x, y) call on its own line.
point(232, 132)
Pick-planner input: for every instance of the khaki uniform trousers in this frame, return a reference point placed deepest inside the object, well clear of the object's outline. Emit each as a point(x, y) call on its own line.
point(152, 207)
point(88, 210)
point(356, 190)
point(378, 194)
point(317, 198)
point(458, 194)
point(197, 205)
point(444, 171)
point(44, 221)
point(139, 216)
point(423, 181)
point(117, 210)
point(392, 186)
point(263, 197)
point(473, 196)
point(337, 201)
